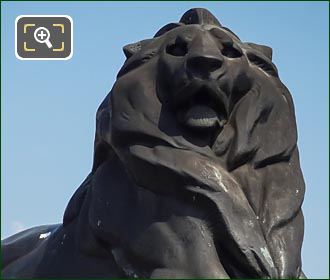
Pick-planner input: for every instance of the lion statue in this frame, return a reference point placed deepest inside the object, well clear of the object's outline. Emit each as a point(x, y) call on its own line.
point(196, 170)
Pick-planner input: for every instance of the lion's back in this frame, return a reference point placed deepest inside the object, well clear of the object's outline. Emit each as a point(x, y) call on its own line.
point(19, 251)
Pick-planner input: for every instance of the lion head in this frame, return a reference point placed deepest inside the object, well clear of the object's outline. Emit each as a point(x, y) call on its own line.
point(197, 112)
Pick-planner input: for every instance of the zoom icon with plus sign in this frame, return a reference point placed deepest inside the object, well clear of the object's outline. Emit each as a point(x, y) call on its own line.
point(46, 37)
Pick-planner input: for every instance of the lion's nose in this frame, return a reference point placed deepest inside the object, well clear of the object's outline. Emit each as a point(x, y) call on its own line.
point(203, 66)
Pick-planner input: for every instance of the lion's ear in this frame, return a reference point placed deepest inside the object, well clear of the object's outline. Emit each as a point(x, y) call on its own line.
point(199, 16)
point(266, 51)
point(131, 49)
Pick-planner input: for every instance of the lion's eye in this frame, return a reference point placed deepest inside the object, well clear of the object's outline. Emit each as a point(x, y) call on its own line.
point(231, 52)
point(177, 49)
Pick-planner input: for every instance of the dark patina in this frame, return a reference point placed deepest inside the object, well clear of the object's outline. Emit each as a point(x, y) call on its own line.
point(196, 171)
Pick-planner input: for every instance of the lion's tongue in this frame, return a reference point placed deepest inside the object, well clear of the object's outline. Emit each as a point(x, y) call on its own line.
point(201, 116)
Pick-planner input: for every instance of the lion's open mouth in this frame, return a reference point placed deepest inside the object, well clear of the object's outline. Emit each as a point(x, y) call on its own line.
point(202, 109)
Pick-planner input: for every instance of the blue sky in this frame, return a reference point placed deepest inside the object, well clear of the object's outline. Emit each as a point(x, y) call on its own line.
point(48, 107)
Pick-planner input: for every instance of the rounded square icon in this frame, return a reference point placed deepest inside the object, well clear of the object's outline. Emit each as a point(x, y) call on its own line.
point(43, 37)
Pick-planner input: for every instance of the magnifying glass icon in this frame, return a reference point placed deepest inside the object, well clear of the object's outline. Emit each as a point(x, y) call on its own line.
point(41, 35)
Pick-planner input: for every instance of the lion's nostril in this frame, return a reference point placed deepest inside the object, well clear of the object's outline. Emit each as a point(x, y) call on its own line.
point(203, 66)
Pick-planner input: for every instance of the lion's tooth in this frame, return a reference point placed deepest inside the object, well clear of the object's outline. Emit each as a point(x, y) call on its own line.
point(201, 116)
